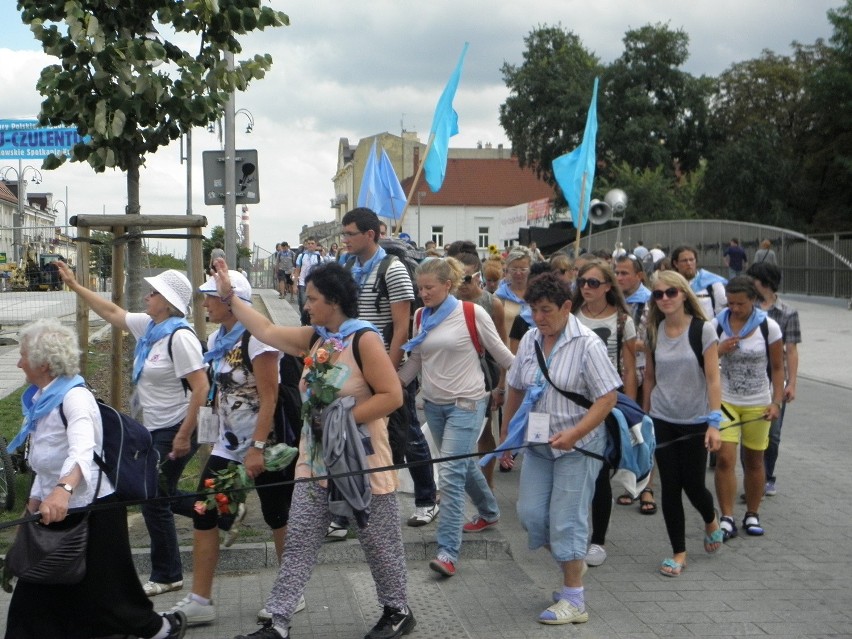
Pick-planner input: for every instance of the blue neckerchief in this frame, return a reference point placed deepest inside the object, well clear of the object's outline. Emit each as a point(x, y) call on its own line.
point(346, 329)
point(703, 279)
point(518, 423)
point(429, 320)
point(153, 334)
point(50, 398)
point(360, 272)
point(754, 320)
point(505, 292)
point(224, 342)
point(640, 295)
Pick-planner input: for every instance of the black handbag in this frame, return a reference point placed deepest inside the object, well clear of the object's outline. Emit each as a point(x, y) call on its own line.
point(53, 554)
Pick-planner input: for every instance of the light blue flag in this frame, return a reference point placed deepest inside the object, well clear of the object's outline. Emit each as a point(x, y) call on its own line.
point(393, 197)
point(445, 124)
point(367, 194)
point(570, 168)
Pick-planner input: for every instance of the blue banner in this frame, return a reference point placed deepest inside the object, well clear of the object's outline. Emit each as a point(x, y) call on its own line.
point(25, 140)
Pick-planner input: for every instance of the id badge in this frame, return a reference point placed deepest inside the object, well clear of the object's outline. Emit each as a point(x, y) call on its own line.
point(208, 425)
point(538, 428)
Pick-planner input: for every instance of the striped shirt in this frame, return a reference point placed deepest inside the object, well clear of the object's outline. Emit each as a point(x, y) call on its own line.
point(579, 363)
point(399, 290)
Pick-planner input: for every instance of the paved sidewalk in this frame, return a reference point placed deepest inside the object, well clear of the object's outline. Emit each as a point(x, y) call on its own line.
point(794, 582)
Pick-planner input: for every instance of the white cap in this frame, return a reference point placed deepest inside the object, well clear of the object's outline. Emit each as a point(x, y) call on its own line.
point(175, 287)
point(242, 288)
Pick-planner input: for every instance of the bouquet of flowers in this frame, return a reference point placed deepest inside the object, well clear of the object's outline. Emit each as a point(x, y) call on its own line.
point(322, 380)
point(228, 487)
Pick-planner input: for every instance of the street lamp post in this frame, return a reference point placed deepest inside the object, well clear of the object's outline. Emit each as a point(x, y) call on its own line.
point(18, 222)
point(65, 207)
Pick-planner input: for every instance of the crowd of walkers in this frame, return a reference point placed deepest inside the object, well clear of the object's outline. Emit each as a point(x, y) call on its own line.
point(487, 345)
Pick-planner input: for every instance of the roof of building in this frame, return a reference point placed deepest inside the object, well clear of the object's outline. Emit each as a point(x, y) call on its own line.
point(483, 182)
point(6, 194)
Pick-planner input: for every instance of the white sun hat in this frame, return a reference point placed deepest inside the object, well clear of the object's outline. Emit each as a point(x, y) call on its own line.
point(242, 288)
point(175, 287)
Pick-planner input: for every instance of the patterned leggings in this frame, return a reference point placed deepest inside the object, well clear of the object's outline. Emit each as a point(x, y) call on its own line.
point(309, 519)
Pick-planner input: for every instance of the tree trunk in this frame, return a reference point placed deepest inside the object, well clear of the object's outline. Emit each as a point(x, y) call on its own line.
point(134, 247)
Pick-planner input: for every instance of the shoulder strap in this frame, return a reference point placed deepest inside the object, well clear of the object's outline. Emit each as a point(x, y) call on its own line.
point(764, 330)
point(574, 397)
point(470, 320)
point(186, 387)
point(380, 286)
point(244, 349)
point(696, 330)
point(356, 352)
point(418, 317)
point(620, 319)
point(712, 298)
point(350, 262)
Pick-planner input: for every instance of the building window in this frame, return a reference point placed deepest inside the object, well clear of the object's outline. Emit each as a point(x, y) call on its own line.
point(438, 236)
point(483, 237)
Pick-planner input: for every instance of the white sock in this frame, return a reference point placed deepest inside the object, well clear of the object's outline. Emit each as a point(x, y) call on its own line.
point(284, 632)
point(200, 599)
point(164, 631)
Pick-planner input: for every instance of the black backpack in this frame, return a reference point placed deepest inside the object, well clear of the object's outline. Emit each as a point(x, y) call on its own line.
point(399, 420)
point(128, 456)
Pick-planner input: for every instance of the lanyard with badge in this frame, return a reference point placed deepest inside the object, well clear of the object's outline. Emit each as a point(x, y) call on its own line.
point(208, 418)
point(538, 424)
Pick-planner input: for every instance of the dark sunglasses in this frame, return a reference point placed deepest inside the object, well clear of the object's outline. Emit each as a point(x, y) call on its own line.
point(591, 282)
point(671, 293)
point(467, 279)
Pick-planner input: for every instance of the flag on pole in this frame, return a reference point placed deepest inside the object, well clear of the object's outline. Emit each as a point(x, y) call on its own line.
point(393, 197)
point(367, 192)
point(445, 124)
point(575, 171)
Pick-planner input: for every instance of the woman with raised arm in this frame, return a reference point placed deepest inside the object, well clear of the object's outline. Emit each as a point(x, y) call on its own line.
point(169, 386)
point(331, 301)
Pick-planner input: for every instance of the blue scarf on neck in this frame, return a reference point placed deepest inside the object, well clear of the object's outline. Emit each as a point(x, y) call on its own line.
point(50, 398)
point(703, 279)
point(224, 342)
point(153, 334)
point(429, 320)
point(518, 423)
point(640, 295)
point(360, 272)
point(505, 292)
point(346, 329)
point(754, 320)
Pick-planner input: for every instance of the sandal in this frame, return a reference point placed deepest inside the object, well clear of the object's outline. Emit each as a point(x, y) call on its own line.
point(751, 524)
point(728, 528)
point(713, 541)
point(647, 507)
point(674, 568)
point(625, 500)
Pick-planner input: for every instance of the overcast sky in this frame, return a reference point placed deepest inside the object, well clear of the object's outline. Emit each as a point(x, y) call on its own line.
point(353, 69)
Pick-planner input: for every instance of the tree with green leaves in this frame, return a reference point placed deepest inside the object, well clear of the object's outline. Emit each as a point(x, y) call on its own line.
point(130, 90)
point(545, 113)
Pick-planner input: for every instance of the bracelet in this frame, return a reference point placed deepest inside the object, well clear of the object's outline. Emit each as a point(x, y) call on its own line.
point(778, 404)
point(500, 391)
point(227, 298)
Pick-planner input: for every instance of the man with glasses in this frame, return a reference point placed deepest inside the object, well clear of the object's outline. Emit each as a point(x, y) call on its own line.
point(708, 287)
point(388, 307)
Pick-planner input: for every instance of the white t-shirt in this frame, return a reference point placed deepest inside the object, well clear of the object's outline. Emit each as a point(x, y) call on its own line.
point(237, 399)
point(607, 329)
point(305, 262)
point(744, 378)
point(159, 392)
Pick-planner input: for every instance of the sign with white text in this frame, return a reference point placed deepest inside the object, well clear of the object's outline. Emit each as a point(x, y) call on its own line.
point(25, 140)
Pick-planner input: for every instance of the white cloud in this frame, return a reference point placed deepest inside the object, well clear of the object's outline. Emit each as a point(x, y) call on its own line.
point(351, 69)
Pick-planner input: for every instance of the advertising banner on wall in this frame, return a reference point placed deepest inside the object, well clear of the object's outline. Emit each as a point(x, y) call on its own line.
point(25, 140)
point(535, 213)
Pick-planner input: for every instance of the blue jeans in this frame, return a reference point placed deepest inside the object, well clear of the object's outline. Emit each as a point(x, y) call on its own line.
point(418, 450)
point(159, 515)
point(554, 498)
point(455, 431)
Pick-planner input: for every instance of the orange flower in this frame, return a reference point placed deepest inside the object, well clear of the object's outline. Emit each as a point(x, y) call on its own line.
point(309, 361)
point(322, 356)
point(222, 499)
point(209, 482)
point(224, 509)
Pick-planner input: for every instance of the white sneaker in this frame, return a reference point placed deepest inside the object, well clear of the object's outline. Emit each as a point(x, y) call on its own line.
point(234, 530)
point(596, 555)
point(264, 615)
point(195, 612)
point(423, 515)
point(152, 588)
point(336, 532)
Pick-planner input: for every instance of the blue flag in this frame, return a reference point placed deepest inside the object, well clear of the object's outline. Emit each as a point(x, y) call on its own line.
point(571, 169)
point(369, 181)
point(393, 197)
point(445, 124)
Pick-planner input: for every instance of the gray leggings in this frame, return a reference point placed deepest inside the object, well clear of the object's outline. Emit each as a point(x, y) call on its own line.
point(309, 519)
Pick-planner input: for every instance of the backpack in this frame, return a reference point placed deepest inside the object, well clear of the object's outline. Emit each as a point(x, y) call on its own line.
point(128, 457)
point(630, 436)
point(186, 387)
point(398, 421)
point(696, 327)
point(490, 368)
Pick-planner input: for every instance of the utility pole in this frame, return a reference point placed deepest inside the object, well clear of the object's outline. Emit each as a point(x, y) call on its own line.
point(230, 176)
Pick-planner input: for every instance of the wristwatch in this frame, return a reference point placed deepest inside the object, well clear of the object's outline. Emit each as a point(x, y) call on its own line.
point(260, 445)
point(67, 487)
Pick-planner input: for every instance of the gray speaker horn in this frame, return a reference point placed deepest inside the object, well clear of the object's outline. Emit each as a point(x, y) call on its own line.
point(599, 212)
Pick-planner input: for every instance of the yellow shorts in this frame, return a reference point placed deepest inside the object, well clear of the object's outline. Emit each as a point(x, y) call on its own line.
point(748, 428)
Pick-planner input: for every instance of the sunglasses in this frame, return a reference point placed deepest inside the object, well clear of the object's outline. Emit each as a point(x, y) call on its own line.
point(671, 293)
point(467, 279)
point(591, 282)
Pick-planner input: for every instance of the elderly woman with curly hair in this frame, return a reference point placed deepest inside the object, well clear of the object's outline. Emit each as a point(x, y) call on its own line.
point(64, 428)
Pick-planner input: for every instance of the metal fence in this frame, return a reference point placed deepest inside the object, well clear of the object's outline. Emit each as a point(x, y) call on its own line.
point(810, 265)
point(260, 267)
